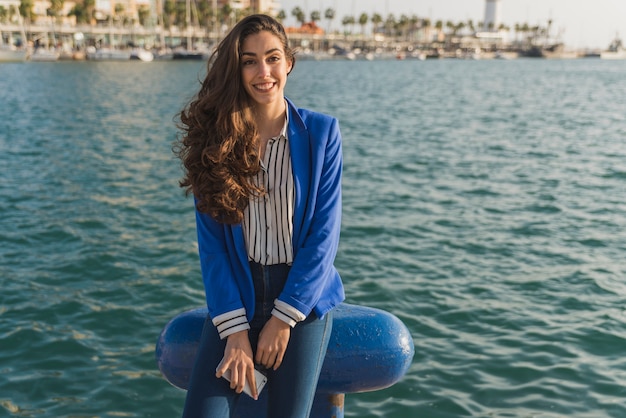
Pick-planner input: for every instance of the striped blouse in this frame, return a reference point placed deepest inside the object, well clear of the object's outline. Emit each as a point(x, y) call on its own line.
point(268, 219)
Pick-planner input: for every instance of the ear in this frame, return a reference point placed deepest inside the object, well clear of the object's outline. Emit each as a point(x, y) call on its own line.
point(290, 65)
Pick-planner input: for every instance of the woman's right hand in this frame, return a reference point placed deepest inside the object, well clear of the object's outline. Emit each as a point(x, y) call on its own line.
point(238, 358)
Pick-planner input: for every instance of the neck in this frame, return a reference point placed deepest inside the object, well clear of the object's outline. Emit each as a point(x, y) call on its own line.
point(270, 119)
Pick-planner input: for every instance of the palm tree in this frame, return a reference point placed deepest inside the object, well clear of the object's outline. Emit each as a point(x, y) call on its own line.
point(4, 14)
point(281, 15)
point(56, 7)
point(299, 15)
point(90, 7)
point(450, 26)
point(315, 16)
point(459, 27)
point(119, 10)
point(363, 19)
point(227, 12)
point(470, 25)
point(439, 28)
point(348, 20)
point(414, 24)
point(143, 14)
point(403, 25)
point(525, 30)
point(169, 13)
point(329, 15)
point(427, 25)
point(26, 10)
point(390, 25)
point(376, 20)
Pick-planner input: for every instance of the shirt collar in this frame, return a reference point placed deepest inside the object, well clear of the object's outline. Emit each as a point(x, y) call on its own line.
point(283, 132)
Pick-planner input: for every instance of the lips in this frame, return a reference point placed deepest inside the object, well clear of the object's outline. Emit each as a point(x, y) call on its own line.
point(264, 86)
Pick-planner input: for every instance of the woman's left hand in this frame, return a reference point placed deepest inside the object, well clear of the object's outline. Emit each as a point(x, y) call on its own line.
point(272, 344)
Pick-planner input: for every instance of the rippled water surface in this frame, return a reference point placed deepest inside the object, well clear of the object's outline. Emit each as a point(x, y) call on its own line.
point(484, 205)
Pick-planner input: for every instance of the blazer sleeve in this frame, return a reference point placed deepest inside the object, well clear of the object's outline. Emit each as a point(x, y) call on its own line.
point(313, 273)
point(223, 298)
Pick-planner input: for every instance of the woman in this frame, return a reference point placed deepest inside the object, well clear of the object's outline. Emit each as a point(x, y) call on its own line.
point(266, 178)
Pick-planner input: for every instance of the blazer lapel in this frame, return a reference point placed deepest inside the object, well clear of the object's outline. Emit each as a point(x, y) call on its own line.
point(299, 148)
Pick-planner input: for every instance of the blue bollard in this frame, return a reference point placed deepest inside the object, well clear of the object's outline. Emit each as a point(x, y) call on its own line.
point(369, 349)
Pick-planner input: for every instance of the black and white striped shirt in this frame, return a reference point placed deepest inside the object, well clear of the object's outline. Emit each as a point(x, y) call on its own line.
point(268, 229)
point(268, 219)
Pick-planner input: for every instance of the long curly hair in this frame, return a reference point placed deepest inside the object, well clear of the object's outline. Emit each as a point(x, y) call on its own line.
point(219, 145)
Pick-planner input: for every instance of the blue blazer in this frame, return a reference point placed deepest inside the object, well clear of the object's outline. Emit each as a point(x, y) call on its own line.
point(313, 283)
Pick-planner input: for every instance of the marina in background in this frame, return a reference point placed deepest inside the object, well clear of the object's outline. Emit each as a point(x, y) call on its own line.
point(189, 30)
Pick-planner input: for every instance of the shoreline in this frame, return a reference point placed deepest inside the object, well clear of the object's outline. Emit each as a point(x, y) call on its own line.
point(73, 41)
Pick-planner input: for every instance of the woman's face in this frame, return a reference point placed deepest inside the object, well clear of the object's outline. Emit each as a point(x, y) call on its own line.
point(264, 68)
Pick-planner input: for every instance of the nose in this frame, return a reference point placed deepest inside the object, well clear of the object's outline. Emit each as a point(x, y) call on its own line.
point(264, 69)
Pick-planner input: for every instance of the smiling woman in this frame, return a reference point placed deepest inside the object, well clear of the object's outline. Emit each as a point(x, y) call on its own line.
point(264, 72)
point(266, 177)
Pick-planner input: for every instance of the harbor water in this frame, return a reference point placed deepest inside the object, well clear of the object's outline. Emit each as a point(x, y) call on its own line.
point(484, 205)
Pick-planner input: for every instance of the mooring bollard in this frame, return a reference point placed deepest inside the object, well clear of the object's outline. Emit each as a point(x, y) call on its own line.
point(369, 349)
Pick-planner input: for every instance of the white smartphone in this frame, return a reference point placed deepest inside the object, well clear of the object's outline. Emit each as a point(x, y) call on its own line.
point(259, 377)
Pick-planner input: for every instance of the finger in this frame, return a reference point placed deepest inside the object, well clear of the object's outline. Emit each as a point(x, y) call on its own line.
point(258, 358)
point(240, 383)
point(221, 369)
point(252, 380)
point(234, 378)
point(265, 358)
point(271, 361)
point(279, 360)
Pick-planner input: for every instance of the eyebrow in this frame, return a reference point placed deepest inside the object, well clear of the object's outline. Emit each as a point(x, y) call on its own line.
point(268, 52)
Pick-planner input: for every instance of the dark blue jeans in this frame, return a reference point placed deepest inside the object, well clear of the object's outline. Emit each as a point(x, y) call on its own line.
point(291, 388)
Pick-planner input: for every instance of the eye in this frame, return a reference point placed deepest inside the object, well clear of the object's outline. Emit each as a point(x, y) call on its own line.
point(247, 62)
point(273, 58)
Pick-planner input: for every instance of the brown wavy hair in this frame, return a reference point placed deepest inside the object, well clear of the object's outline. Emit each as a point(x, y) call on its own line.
point(218, 146)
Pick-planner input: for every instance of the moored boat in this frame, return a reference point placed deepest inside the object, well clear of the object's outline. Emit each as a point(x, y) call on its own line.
point(44, 55)
point(13, 50)
point(107, 54)
point(12, 54)
point(141, 55)
point(186, 54)
point(616, 51)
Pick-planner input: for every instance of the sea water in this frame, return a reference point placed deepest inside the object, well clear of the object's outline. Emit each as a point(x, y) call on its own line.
point(484, 205)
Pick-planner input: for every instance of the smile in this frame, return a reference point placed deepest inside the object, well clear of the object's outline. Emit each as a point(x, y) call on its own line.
point(264, 86)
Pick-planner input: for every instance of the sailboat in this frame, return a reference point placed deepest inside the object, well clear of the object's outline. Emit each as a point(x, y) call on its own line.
point(9, 51)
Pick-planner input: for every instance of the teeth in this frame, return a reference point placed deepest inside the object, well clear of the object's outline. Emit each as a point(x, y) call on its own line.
point(265, 86)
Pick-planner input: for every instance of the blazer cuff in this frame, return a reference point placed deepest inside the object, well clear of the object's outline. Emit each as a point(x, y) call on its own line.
point(231, 322)
point(287, 313)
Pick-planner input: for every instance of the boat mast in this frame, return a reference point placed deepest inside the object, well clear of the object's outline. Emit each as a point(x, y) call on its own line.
point(188, 21)
point(160, 25)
